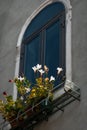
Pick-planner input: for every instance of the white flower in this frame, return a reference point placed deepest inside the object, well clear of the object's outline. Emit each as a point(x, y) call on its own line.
point(59, 70)
point(41, 71)
point(52, 78)
point(25, 102)
point(21, 98)
point(27, 90)
point(34, 68)
point(21, 78)
point(46, 68)
point(38, 66)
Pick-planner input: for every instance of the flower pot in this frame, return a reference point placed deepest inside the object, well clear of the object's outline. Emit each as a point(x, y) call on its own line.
point(13, 122)
point(28, 111)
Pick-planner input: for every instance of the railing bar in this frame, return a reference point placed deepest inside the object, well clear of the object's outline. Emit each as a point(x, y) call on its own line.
point(32, 107)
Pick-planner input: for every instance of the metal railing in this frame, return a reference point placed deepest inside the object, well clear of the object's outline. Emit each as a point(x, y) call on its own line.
point(68, 84)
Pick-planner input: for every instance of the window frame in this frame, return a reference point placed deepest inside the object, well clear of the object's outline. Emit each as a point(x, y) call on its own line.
point(68, 15)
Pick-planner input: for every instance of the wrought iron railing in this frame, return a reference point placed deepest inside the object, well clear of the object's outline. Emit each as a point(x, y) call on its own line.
point(67, 93)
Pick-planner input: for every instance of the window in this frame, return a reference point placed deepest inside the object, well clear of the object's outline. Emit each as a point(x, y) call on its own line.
point(44, 41)
point(67, 38)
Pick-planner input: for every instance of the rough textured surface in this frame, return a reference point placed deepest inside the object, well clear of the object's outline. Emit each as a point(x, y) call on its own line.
point(13, 14)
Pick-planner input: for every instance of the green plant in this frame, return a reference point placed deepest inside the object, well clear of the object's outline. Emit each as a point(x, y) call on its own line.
point(28, 93)
point(9, 108)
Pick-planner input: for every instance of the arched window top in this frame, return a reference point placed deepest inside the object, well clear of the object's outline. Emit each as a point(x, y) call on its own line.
point(43, 40)
point(43, 17)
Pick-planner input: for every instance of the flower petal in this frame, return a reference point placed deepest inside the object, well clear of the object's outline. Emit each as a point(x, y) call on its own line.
point(52, 78)
point(38, 66)
point(59, 70)
point(41, 71)
point(34, 68)
point(11, 81)
point(4, 93)
point(21, 78)
point(46, 68)
point(27, 90)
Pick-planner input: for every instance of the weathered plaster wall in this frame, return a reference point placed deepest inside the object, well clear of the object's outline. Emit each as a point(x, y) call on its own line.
point(13, 14)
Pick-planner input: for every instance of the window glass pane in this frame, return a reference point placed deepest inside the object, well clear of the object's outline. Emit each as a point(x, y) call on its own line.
point(32, 57)
point(43, 17)
point(44, 41)
point(52, 48)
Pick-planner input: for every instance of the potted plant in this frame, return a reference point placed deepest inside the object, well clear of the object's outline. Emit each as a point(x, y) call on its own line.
point(29, 94)
point(10, 108)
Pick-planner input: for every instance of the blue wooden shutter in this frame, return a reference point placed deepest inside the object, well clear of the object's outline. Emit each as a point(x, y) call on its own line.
point(44, 41)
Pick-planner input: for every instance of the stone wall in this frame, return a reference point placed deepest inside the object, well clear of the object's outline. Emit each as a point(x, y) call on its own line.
point(13, 14)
